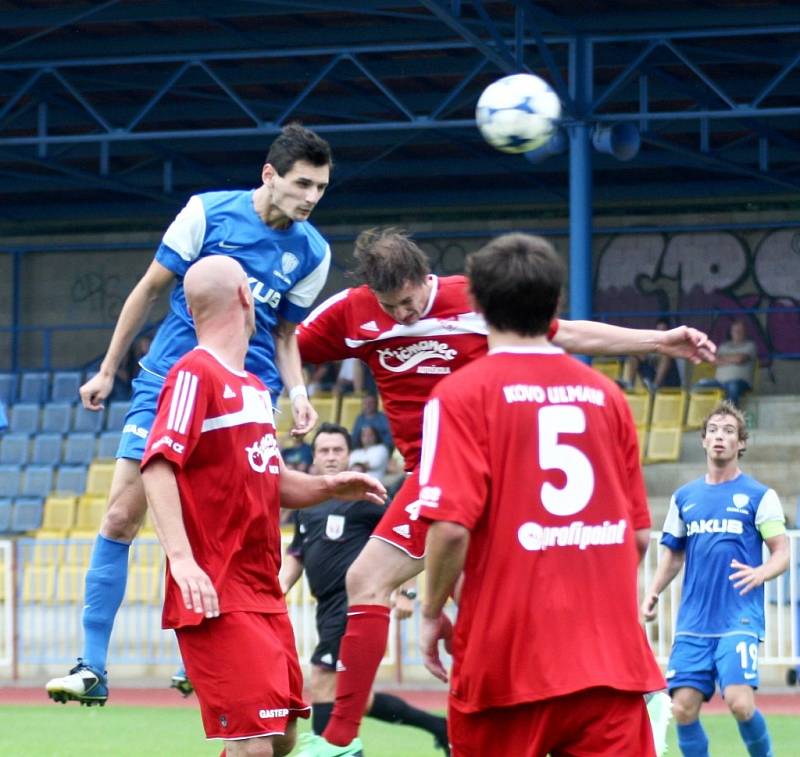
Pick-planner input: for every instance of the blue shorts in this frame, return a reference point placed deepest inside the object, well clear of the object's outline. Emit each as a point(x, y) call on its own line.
point(139, 420)
point(702, 662)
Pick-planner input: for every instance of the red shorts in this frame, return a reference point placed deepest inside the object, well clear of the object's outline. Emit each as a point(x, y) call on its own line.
point(596, 721)
point(399, 525)
point(244, 668)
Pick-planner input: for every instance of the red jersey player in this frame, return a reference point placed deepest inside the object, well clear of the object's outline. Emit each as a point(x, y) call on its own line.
point(215, 481)
point(532, 455)
point(413, 329)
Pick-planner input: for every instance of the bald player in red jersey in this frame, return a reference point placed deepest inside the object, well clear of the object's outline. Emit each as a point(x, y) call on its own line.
point(413, 329)
point(531, 481)
point(215, 483)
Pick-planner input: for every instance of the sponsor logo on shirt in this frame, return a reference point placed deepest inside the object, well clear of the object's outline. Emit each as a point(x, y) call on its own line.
point(408, 357)
point(132, 428)
point(715, 526)
point(670, 673)
point(289, 262)
point(261, 452)
point(535, 537)
point(227, 246)
point(167, 441)
point(334, 527)
point(276, 713)
point(689, 507)
point(555, 395)
point(404, 531)
point(262, 293)
point(369, 326)
point(750, 676)
point(740, 503)
point(228, 393)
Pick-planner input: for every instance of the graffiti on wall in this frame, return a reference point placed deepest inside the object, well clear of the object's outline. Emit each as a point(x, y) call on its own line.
point(100, 292)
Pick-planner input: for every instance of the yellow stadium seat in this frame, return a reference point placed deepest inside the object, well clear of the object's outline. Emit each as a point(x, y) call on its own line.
point(78, 548)
point(327, 408)
point(639, 403)
point(611, 367)
point(351, 407)
point(702, 371)
point(59, 513)
point(38, 583)
point(701, 402)
point(70, 583)
point(664, 444)
point(98, 481)
point(669, 408)
point(47, 548)
point(144, 584)
point(89, 513)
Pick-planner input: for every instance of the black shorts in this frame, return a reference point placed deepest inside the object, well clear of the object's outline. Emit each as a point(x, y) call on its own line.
point(331, 624)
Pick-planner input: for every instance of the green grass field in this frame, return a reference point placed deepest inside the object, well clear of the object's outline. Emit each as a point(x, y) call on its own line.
point(48, 731)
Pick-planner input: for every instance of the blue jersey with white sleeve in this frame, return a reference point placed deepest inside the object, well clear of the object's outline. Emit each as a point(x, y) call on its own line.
point(286, 270)
point(714, 524)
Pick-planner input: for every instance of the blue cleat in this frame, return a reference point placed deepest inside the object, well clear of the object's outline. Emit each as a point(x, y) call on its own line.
point(83, 684)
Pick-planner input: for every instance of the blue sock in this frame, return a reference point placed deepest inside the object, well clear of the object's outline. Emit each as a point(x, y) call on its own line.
point(692, 740)
point(105, 588)
point(755, 735)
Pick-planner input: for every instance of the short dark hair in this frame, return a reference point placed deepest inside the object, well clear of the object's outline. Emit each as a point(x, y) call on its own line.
point(387, 259)
point(726, 407)
point(332, 428)
point(516, 280)
point(294, 143)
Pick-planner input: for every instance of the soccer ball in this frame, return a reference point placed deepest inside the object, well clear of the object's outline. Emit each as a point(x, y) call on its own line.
point(517, 113)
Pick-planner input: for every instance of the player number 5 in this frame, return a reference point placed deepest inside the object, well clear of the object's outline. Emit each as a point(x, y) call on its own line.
point(553, 421)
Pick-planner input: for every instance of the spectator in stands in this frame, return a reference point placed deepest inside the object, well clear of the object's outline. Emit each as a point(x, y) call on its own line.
point(129, 369)
point(322, 377)
point(371, 452)
point(298, 456)
point(736, 364)
point(371, 416)
point(655, 369)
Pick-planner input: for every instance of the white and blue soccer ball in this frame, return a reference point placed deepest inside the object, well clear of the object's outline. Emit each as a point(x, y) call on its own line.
point(518, 113)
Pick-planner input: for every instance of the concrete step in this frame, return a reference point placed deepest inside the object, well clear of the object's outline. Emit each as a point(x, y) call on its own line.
point(779, 411)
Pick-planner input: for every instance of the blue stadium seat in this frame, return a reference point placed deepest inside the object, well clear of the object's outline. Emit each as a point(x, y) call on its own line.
point(8, 388)
point(14, 449)
point(5, 514)
point(79, 448)
point(34, 387)
point(65, 386)
point(71, 479)
point(56, 417)
point(116, 415)
point(107, 445)
point(87, 420)
point(27, 514)
point(9, 480)
point(24, 418)
point(46, 449)
point(37, 481)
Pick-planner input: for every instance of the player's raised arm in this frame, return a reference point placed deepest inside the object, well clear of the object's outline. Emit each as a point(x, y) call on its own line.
point(287, 359)
point(593, 338)
point(133, 316)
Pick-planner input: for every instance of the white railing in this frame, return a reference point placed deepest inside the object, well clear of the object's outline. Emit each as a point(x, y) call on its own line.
point(6, 603)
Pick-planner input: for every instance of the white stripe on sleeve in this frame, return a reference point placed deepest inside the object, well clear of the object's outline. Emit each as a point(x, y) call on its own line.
point(430, 433)
point(182, 405)
point(186, 233)
point(305, 291)
point(173, 405)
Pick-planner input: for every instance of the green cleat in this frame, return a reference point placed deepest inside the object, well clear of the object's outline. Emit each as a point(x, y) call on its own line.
point(659, 708)
point(316, 746)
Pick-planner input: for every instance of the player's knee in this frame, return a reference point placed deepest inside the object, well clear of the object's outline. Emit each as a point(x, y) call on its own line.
point(121, 521)
point(742, 707)
point(360, 582)
point(282, 745)
point(258, 747)
point(684, 711)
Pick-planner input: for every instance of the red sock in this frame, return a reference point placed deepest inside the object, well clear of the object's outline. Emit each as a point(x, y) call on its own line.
point(361, 652)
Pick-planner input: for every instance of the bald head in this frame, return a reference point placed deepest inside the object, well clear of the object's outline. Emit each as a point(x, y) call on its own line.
point(213, 287)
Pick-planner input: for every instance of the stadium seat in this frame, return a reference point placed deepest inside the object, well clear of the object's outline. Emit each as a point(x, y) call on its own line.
point(5, 514)
point(107, 445)
point(27, 514)
point(46, 548)
point(8, 388)
point(47, 449)
point(37, 481)
point(701, 371)
point(14, 449)
point(71, 479)
point(639, 403)
point(23, 418)
point(87, 420)
point(99, 478)
point(611, 367)
point(669, 408)
point(34, 386)
point(59, 513)
point(38, 584)
point(9, 480)
point(65, 386)
point(89, 513)
point(350, 409)
point(78, 548)
point(327, 408)
point(79, 448)
point(664, 444)
point(115, 418)
point(70, 583)
point(144, 584)
point(701, 401)
point(56, 417)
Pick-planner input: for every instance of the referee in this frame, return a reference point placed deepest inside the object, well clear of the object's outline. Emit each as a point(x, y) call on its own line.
point(327, 539)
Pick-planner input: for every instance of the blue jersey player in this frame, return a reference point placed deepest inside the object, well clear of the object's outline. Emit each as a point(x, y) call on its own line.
point(286, 260)
point(716, 525)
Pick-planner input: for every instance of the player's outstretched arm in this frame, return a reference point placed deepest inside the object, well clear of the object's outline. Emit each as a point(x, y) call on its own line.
point(593, 338)
point(132, 318)
point(669, 565)
point(163, 499)
point(287, 359)
point(303, 490)
point(745, 578)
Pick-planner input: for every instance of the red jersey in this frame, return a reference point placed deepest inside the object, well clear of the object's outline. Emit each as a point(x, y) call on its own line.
point(406, 361)
point(215, 425)
point(536, 454)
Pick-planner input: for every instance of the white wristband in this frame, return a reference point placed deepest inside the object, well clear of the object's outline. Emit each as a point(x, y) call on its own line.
point(297, 391)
